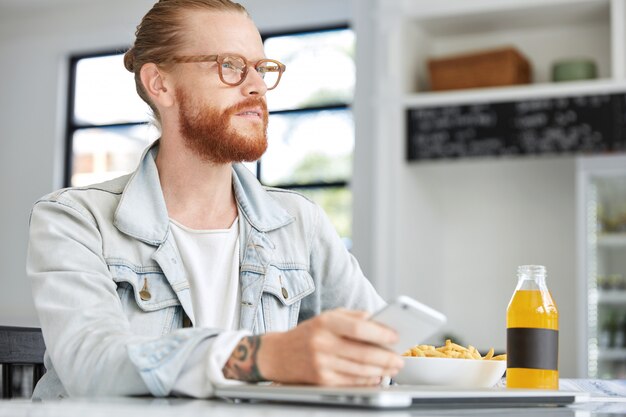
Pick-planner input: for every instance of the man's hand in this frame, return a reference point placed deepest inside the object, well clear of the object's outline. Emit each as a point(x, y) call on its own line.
point(338, 347)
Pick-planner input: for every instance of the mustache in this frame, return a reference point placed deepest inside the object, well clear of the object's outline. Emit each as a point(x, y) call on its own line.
point(246, 104)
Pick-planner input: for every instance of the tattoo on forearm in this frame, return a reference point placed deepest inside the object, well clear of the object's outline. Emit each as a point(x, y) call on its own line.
point(242, 364)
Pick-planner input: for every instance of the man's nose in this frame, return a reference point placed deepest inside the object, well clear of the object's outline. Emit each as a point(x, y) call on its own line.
point(254, 84)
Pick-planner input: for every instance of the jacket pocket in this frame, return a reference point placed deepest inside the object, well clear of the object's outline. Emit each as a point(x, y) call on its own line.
point(147, 298)
point(283, 290)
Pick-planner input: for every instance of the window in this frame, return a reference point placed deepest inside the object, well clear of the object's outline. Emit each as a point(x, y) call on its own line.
point(107, 126)
point(311, 131)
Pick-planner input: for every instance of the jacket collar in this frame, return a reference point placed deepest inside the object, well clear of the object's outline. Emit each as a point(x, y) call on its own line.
point(142, 212)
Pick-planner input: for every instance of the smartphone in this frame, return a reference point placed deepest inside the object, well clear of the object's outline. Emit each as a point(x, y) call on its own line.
point(413, 321)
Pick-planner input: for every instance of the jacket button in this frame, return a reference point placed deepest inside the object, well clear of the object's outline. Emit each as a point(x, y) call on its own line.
point(144, 294)
point(282, 288)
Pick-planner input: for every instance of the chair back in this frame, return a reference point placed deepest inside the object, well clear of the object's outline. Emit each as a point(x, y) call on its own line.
point(20, 346)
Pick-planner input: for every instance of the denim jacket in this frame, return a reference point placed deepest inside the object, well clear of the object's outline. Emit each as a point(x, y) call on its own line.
point(93, 249)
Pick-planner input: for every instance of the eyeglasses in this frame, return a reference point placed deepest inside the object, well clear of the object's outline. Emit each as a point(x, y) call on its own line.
point(233, 68)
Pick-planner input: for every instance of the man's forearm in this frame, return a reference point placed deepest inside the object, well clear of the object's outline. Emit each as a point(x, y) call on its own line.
point(243, 364)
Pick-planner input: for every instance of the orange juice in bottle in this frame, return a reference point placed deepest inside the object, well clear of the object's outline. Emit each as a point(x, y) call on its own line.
point(532, 326)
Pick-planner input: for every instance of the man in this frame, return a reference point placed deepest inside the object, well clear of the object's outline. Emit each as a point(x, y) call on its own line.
point(188, 273)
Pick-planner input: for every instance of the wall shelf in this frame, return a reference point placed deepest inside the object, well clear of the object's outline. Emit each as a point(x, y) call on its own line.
point(544, 32)
point(514, 93)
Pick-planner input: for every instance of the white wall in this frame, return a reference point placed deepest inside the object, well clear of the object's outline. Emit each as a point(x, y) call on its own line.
point(35, 44)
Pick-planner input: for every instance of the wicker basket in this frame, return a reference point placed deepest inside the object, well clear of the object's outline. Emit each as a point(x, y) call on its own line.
point(498, 67)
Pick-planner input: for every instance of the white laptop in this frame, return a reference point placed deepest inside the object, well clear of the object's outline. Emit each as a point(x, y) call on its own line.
point(398, 396)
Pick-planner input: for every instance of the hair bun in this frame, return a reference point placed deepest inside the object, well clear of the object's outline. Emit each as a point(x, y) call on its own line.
point(129, 60)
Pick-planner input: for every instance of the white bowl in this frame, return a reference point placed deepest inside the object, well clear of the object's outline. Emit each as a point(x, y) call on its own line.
point(463, 373)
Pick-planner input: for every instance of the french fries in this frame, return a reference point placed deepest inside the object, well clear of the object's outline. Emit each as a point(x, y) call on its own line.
point(452, 350)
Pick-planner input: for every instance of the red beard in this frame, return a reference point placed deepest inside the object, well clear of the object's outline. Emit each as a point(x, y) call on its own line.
point(209, 134)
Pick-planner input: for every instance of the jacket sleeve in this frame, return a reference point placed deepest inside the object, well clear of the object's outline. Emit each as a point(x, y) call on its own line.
point(336, 272)
point(88, 336)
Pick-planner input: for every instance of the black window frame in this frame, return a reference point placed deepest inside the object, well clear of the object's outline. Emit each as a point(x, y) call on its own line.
point(71, 126)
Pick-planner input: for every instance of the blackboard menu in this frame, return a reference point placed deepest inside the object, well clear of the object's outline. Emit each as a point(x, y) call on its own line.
point(584, 124)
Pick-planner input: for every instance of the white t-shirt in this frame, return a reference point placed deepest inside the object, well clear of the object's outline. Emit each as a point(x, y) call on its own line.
point(211, 262)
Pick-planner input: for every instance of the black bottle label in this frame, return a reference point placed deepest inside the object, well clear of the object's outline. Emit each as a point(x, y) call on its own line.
point(532, 348)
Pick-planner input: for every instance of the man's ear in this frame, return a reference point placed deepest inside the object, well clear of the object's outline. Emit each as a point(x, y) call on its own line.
point(154, 82)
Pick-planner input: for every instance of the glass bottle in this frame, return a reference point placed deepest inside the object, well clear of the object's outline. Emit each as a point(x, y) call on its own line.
point(532, 322)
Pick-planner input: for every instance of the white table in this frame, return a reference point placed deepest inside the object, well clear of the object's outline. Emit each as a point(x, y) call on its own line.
point(175, 407)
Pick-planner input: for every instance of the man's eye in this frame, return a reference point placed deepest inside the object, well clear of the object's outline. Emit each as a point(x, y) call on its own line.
point(231, 67)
